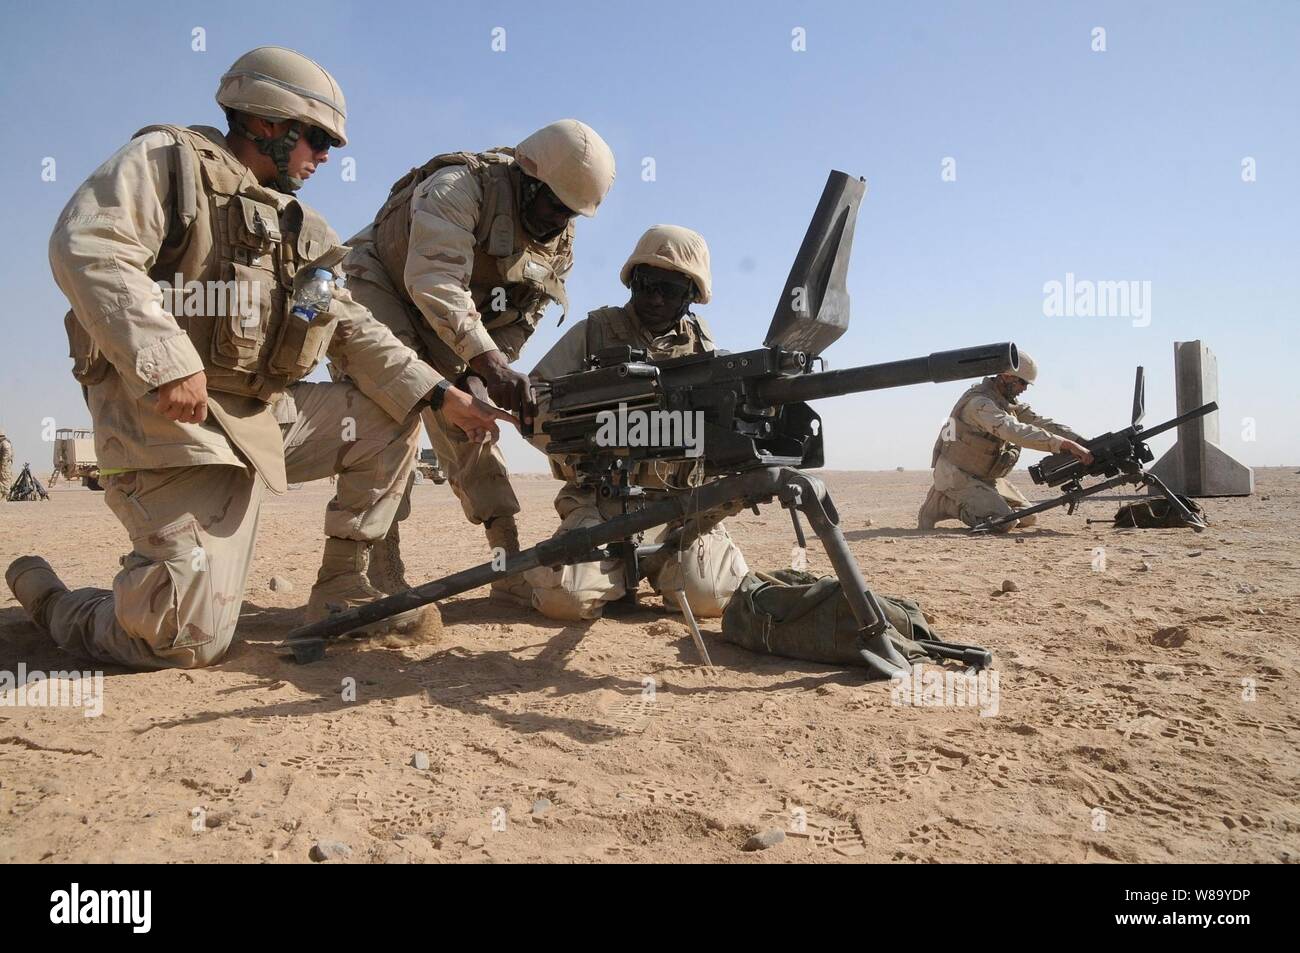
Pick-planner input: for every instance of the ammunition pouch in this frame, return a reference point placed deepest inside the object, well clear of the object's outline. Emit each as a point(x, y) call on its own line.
point(1005, 462)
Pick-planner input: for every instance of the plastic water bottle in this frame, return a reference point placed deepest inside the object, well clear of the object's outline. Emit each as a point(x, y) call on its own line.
point(314, 294)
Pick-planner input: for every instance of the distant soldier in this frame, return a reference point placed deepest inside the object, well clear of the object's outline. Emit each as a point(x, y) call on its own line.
point(461, 262)
point(979, 446)
point(201, 410)
point(667, 272)
point(6, 466)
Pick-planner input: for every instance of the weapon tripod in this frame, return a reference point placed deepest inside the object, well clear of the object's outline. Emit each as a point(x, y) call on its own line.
point(796, 491)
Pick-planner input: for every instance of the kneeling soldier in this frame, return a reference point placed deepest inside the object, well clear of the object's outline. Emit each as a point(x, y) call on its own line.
point(667, 272)
point(979, 446)
point(465, 255)
point(198, 410)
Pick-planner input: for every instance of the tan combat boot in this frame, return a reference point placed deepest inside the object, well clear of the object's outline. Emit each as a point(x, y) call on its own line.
point(387, 572)
point(932, 510)
point(341, 584)
point(35, 586)
point(503, 534)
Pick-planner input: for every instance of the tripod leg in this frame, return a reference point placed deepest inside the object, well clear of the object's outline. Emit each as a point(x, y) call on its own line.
point(1197, 524)
point(1069, 498)
point(876, 650)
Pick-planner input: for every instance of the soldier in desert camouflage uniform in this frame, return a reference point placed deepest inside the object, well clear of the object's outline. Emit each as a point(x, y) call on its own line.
point(465, 255)
point(667, 272)
point(979, 446)
point(199, 410)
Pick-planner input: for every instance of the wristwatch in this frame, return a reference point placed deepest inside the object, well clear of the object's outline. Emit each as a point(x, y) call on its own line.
point(436, 396)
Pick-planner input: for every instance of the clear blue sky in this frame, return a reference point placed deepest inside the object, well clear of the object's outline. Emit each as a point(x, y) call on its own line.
point(1115, 165)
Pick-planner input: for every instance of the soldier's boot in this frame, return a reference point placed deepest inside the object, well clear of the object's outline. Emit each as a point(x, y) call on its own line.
point(341, 584)
point(387, 572)
point(932, 510)
point(35, 586)
point(503, 535)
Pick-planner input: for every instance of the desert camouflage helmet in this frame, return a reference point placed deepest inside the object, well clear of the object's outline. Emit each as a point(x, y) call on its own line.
point(1028, 370)
point(277, 83)
point(573, 160)
point(677, 249)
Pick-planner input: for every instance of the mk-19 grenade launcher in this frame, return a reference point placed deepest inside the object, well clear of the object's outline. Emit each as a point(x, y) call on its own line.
point(1119, 456)
point(758, 434)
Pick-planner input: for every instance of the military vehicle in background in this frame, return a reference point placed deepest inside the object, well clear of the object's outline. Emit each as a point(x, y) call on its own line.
point(74, 457)
point(429, 468)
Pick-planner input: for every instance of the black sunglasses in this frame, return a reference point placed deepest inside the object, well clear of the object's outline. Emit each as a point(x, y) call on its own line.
point(319, 139)
point(667, 289)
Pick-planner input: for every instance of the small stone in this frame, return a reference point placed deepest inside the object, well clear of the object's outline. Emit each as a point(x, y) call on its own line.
point(1196, 552)
point(1171, 637)
point(280, 584)
point(1144, 566)
point(541, 806)
point(249, 775)
point(1020, 539)
point(330, 850)
point(827, 689)
point(475, 841)
point(1009, 585)
point(420, 761)
point(867, 522)
point(1246, 588)
point(262, 764)
point(763, 841)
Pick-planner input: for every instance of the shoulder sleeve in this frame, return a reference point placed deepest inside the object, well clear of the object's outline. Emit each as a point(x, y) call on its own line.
point(1027, 415)
point(101, 250)
point(440, 258)
point(984, 414)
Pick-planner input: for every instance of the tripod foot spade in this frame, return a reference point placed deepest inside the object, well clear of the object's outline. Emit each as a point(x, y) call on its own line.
point(881, 657)
point(305, 651)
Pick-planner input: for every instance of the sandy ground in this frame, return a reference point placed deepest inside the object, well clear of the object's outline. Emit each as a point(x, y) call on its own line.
point(1143, 714)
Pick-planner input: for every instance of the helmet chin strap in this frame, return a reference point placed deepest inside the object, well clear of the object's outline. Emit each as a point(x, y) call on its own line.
point(279, 149)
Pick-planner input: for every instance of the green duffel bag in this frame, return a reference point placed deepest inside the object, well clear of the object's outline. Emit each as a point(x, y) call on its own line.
point(1156, 513)
point(798, 615)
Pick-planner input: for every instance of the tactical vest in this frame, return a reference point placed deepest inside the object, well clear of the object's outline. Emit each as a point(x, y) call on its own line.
point(611, 327)
point(238, 246)
point(980, 454)
point(506, 257)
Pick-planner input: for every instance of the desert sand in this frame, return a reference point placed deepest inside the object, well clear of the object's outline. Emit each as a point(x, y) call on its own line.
point(1147, 710)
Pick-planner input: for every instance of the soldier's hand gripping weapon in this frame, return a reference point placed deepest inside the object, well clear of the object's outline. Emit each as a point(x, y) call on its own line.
point(1118, 455)
point(752, 435)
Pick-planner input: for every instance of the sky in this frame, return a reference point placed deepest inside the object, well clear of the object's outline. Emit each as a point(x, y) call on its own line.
point(1005, 146)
